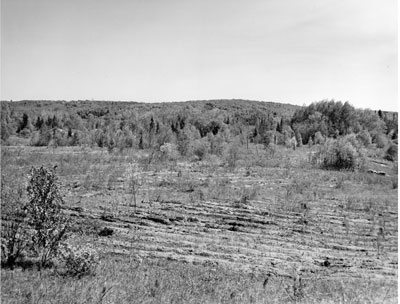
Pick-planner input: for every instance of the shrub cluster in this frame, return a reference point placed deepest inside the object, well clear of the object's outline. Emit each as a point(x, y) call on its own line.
point(381, 140)
point(342, 154)
point(364, 137)
point(79, 261)
point(37, 227)
point(231, 154)
point(48, 224)
point(392, 152)
point(14, 240)
point(169, 152)
point(199, 148)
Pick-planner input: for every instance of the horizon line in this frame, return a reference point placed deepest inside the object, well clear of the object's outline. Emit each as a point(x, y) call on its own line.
point(194, 100)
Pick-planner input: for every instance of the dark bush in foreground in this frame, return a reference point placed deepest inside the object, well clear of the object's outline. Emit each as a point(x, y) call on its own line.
point(45, 218)
point(36, 226)
point(14, 240)
point(79, 261)
point(13, 243)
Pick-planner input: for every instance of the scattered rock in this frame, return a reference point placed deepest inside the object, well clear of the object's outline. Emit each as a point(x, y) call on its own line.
point(326, 263)
point(377, 172)
point(77, 209)
point(192, 219)
point(304, 206)
point(266, 280)
point(107, 218)
point(158, 219)
point(106, 231)
point(233, 228)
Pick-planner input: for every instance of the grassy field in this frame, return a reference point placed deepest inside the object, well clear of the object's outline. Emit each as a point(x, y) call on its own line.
point(272, 228)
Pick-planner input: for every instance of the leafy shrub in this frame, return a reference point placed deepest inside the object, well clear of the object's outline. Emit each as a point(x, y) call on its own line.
point(231, 154)
point(381, 140)
point(271, 149)
point(310, 142)
point(280, 138)
point(26, 133)
point(291, 143)
point(37, 226)
point(352, 139)
point(298, 138)
point(296, 289)
point(41, 137)
point(318, 138)
point(246, 195)
point(269, 138)
point(341, 154)
point(14, 239)
point(199, 148)
point(48, 224)
point(169, 152)
point(391, 152)
point(216, 144)
point(395, 183)
point(111, 144)
point(79, 261)
point(364, 137)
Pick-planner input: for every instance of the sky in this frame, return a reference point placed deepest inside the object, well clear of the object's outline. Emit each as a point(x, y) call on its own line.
point(289, 51)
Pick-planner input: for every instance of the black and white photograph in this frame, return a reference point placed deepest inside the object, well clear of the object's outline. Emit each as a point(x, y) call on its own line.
point(199, 151)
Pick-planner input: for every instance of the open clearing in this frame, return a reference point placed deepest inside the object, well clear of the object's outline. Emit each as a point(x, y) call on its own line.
point(279, 217)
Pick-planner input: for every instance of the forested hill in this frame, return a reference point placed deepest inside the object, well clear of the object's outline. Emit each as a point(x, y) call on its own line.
point(84, 115)
point(150, 125)
point(230, 106)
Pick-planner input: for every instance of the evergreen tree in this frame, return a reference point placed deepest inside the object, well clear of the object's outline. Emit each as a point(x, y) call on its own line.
point(140, 146)
point(24, 123)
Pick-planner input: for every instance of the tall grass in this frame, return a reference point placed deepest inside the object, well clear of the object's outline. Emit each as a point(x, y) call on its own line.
point(162, 281)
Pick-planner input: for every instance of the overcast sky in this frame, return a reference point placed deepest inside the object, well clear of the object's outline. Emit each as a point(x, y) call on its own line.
point(296, 51)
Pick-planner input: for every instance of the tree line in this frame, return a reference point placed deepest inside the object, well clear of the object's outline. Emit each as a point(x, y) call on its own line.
point(189, 126)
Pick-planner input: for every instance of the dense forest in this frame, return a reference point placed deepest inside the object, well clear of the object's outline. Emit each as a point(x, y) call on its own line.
point(189, 128)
